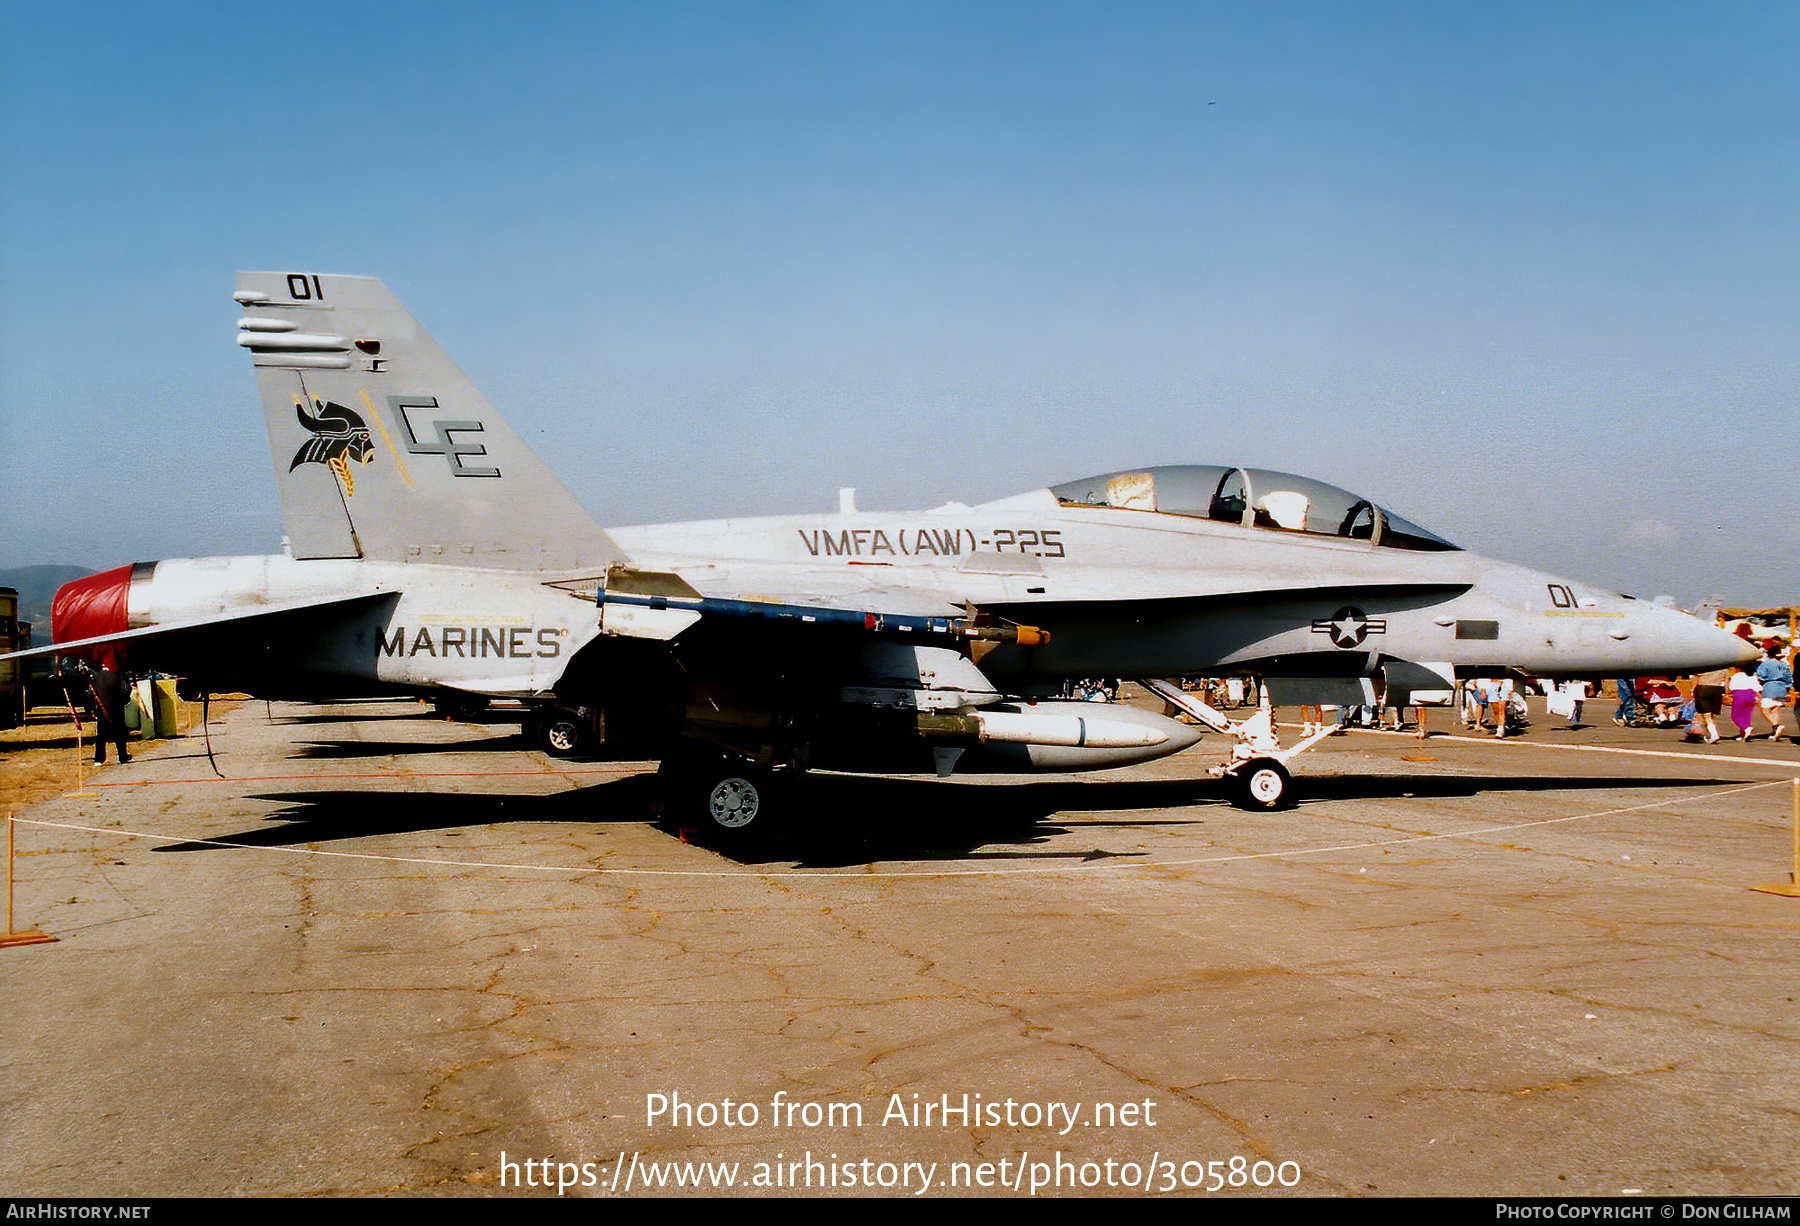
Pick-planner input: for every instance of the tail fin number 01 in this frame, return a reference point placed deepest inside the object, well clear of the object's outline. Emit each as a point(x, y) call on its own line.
point(303, 287)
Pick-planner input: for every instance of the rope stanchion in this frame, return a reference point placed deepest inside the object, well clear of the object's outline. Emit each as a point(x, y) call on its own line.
point(1791, 887)
point(12, 937)
point(81, 790)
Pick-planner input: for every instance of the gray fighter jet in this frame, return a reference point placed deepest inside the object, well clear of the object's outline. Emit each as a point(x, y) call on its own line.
point(430, 552)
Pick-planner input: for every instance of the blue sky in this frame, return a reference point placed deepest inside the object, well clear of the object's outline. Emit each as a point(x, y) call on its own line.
point(1525, 273)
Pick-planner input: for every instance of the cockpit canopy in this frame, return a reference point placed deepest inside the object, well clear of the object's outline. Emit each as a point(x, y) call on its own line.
point(1252, 498)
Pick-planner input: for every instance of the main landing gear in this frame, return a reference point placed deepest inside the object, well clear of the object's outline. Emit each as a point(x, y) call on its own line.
point(563, 733)
point(735, 803)
point(460, 707)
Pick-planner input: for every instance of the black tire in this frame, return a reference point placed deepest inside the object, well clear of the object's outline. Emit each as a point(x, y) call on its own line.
point(563, 734)
point(735, 803)
point(1262, 785)
point(460, 707)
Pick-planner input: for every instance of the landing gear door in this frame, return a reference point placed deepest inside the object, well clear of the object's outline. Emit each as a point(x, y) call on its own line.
point(1411, 684)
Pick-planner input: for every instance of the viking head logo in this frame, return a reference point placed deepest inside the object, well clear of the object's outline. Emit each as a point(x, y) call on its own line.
point(338, 436)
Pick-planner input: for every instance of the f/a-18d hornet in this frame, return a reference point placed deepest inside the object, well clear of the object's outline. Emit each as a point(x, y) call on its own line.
point(430, 552)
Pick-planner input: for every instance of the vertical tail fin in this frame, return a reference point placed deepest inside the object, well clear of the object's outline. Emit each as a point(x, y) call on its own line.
point(383, 449)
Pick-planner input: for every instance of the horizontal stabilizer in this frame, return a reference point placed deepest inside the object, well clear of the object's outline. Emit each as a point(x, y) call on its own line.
point(237, 617)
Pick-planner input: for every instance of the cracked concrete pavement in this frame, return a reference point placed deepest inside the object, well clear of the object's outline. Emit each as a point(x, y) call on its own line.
point(387, 949)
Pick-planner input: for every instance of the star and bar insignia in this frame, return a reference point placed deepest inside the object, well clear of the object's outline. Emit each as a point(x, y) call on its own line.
point(1349, 626)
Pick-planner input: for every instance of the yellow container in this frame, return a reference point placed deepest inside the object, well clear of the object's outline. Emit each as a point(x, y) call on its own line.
point(150, 710)
point(167, 707)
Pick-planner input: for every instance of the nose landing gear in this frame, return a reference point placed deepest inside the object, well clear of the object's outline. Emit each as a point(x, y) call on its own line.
point(1256, 775)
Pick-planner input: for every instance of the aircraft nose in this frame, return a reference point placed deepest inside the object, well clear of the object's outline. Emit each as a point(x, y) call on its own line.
point(1697, 646)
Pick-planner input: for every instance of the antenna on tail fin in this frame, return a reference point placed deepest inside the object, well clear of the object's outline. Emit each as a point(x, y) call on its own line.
point(384, 450)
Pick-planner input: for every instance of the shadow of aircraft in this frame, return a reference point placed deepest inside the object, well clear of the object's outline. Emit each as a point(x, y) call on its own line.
point(425, 714)
point(56, 742)
point(844, 820)
point(324, 817)
point(379, 749)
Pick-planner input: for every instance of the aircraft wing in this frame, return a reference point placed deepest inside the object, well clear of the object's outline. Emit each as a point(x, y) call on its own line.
point(661, 605)
point(872, 598)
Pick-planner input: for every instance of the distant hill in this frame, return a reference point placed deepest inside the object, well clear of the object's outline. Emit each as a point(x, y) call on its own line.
point(37, 588)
